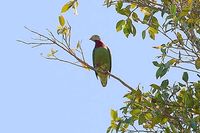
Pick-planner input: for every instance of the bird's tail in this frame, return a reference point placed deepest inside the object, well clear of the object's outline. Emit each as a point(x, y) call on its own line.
point(104, 83)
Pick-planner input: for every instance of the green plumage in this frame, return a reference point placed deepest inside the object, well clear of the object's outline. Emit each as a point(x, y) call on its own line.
point(102, 62)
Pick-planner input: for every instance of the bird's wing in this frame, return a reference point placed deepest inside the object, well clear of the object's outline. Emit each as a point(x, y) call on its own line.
point(110, 59)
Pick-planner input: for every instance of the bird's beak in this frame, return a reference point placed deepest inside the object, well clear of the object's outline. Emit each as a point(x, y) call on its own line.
point(90, 38)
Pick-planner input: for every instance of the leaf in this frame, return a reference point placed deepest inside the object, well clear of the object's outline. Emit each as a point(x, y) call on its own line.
point(126, 32)
point(146, 19)
point(165, 83)
point(113, 114)
point(164, 120)
point(148, 116)
point(143, 34)
point(152, 31)
point(119, 25)
point(158, 47)
point(135, 16)
point(67, 6)
point(128, 28)
point(158, 72)
point(173, 9)
point(145, 10)
point(133, 30)
point(61, 20)
point(141, 119)
point(135, 112)
point(154, 21)
point(155, 86)
point(197, 63)
point(124, 11)
point(155, 63)
point(185, 77)
point(133, 5)
point(161, 72)
point(119, 5)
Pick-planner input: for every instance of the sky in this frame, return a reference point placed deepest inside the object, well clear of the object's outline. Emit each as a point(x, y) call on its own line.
point(43, 96)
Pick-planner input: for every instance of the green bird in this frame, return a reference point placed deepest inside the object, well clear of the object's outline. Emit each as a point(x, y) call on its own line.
point(101, 59)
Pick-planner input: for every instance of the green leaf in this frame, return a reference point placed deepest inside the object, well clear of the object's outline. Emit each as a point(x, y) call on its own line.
point(152, 35)
point(155, 86)
point(158, 72)
point(185, 77)
point(197, 63)
point(119, 5)
point(164, 71)
point(165, 83)
point(154, 21)
point(113, 114)
point(164, 120)
point(141, 119)
point(126, 31)
point(155, 63)
point(127, 28)
point(173, 9)
point(161, 71)
point(133, 30)
point(152, 31)
point(135, 112)
point(148, 116)
point(119, 25)
point(143, 34)
point(146, 19)
point(61, 20)
point(124, 11)
point(67, 6)
point(167, 130)
point(135, 16)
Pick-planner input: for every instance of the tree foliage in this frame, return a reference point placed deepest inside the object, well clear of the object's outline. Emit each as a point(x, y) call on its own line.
point(167, 107)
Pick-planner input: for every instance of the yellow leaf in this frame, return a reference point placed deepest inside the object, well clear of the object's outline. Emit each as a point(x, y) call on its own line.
point(67, 6)
point(133, 5)
point(145, 11)
point(158, 47)
point(62, 20)
point(173, 61)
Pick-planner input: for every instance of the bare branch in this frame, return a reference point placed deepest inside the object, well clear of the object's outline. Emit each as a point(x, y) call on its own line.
point(58, 43)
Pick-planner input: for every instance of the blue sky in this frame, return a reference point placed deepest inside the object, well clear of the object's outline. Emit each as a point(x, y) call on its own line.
point(42, 96)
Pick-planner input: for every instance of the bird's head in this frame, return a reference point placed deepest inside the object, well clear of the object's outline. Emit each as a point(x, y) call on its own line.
point(95, 38)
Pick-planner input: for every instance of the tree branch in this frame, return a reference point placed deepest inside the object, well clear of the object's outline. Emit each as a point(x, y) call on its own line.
point(54, 41)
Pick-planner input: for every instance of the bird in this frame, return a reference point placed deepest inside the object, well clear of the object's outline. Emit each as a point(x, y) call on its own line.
point(101, 59)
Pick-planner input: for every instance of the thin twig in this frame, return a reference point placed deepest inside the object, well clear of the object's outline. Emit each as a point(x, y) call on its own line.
point(186, 69)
